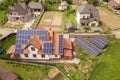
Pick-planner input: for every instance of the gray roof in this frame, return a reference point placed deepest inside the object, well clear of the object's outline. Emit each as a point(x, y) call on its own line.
point(69, 25)
point(35, 5)
point(86, 8)
point(20, 7)
point(64, 3)
point(6, 74)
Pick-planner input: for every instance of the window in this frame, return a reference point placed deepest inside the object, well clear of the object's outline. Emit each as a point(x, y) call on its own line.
point(26, 55)
point(55, 55)
point(34, 55)
point(32, 48)
point(43, 55)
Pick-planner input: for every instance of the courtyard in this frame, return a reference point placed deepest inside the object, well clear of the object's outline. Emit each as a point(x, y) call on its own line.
point(52, 19)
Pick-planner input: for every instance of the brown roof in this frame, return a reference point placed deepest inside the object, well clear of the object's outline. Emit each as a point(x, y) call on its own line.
point(40, 28)
point(11, 49)
point(6, 74)
point(67, 43)
point(56, 43)
point(25, 51)
point(20, 7)
point(114, 4)
point(67, 52)
point(35, 41)
point(40, 51)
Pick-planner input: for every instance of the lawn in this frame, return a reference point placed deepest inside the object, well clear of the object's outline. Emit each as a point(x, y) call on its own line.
point(26, 71)
point(109, 66)
point(6, 44)
point(2, 15)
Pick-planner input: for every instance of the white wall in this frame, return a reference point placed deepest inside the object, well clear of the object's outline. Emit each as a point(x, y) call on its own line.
point(94, 22)
point(38, 56)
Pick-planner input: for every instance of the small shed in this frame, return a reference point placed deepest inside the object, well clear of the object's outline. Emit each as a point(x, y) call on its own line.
point(63, 6)
point(70, 27)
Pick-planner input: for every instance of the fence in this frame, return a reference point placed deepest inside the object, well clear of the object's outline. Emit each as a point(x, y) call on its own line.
point(88, 35)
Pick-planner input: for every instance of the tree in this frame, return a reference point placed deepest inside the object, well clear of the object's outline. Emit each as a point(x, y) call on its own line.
point(92, 1)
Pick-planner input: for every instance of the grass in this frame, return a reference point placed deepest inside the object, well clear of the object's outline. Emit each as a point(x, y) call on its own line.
point(6, 44)
point(2, 15)
point(7, 24)
point(26, 71)
point(19, 26)
point(108, 68)
point(0, 35)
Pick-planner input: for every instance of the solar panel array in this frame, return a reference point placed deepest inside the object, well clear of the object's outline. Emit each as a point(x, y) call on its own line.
point(23, 35)
point(87, 46)
point(60, 44)
point(99, 41)
point(47, 47)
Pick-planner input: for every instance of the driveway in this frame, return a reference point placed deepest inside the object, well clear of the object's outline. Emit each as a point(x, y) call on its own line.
point(6, 32)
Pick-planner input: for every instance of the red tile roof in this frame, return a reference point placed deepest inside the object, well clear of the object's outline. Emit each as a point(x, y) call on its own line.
point(26, 51)
point(35, 41)
point(67, 52)
point(11, 49)
point(40, 28)
point(67, 43)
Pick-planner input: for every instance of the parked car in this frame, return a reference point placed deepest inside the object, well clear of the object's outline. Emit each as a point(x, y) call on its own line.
point(1, 50)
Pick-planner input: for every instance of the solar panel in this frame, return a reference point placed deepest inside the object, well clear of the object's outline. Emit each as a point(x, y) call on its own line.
point(23, 35)
point(60, 44)
point(87, 46)
point(47, 47)
point(99, 41)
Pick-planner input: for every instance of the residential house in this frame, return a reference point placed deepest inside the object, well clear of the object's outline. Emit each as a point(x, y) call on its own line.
point(118, 1)
point(36, 6)
point(6, 74)
point(115, 6)
point(63, 6)
point(87, 15)
point(40, 44)
point(20, 12)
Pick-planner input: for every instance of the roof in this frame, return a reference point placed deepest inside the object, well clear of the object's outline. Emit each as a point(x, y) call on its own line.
point(64, 3)
point(6, 74)
point(69, 25)
point(67, 43)
point(11, 49)
point(34, 40)
point(35, 5)
point(20, 7)
point(114, 4)
point(67, 52)
point(86, 8)
point(40, 40)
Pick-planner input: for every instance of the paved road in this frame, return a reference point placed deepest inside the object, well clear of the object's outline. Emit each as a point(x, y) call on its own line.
point(6, 32)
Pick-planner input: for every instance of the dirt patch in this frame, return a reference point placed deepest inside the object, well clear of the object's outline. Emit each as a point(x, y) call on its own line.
point(52, 19)
point(109, 19)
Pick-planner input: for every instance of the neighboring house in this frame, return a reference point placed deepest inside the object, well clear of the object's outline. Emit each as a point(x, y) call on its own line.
point(40, 44)
point(63, 6)
point(36, 6)
point(20, 12)
point(70, 27)
point(115, 6)
point(118, 1)
point(6, 74)
point(87, 15)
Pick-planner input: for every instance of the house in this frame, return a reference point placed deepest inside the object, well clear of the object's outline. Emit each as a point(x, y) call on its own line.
point(20, 12)
point(115, 6)
point(63, 5)
point(87, 15)
point(118, 1)
point(6, 74)
point(40, 44)
point(36, 6)
point(70, 27)
point(77, 1)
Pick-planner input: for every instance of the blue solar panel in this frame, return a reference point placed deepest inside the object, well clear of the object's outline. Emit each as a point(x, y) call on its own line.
point(99, 41)
point(60, 44)
point(87, 46)
point(23, 35)
point(47, 47)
